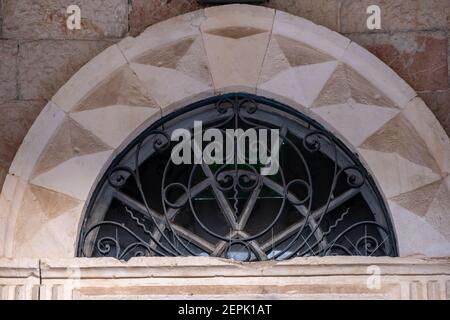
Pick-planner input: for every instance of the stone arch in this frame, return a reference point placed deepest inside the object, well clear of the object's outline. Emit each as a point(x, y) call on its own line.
point(216, 50)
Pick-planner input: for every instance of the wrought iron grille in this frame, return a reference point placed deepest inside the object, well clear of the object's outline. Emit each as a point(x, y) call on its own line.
point(321, 202)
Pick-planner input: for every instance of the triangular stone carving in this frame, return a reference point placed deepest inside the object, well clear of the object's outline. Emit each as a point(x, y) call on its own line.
point(53, 203)
point(398, 136)
point(166, 56)
point(418, 201)
point(236, 32)
point(284, 53)
point(345, 84)
point(300, 54)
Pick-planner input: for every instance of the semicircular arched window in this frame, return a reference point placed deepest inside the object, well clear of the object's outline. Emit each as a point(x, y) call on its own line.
point(309, 195)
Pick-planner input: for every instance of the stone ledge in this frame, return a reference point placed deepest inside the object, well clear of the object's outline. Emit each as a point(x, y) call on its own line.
point(90, 268)
point(213, 278)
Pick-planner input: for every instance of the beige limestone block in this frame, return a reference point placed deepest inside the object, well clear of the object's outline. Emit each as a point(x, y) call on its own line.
point(236, 38)
point(400, 137)
point(186, 55)
point(8, 70)
point(115, 123)
point(163, 33)
point(397, 15)
point(10, 203)
point(15, 121)
point(284, 53)
point(120, 88)
point(236, 63)
point(396, 174)
point(432, 133)
point(49, 120)
point(315, 36)
point(418, 201)
point(47, 19)
point(237, 15)
point(3, 173)
point(45, 66)
point(321, 12)
point(76, 176)
point(70, 140)
point(379, 74)
point(356, 122)
point(301, 84)
point(89, 77)
point(168, 86)
point(416, 236)
point(438, 214)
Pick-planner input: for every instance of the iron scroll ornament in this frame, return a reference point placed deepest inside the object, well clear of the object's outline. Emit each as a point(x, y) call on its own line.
point(321, 202)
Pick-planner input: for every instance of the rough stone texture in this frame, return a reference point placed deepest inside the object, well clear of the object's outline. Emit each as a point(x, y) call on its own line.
point(322, 12)
point(47, 19)
point(420, 58)
point(3, 173)
point(211, 278)
point(8, 69)
point(66, 151)
point(1, 19)
point(15, 121)
point(397, 15)
point(44, 66)
point(439, 103)
point(145, 13)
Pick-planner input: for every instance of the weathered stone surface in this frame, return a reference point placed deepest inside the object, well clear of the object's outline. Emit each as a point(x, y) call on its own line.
point(113, 124)
point(8, 68)
point(69, 141)
point(301, 84)
point(36, 140)
point(416, 236)
point(356, 122)
point(397, 15)
point(95, 73)
point(44, 66)
point(315, 36)
point(122, 88)
point(46, 19)
point(145, 13)
point(420, 58)
point(344, 84)
point(46, 213)
point(15, 121)
point(433, 135)
point(3, 173)
point(439, 103)
point(74, 177)
point(322, 12)
point(236, 38)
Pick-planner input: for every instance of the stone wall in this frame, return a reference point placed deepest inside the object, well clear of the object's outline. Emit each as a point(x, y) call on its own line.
point(185, 278)
point(38, 54)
